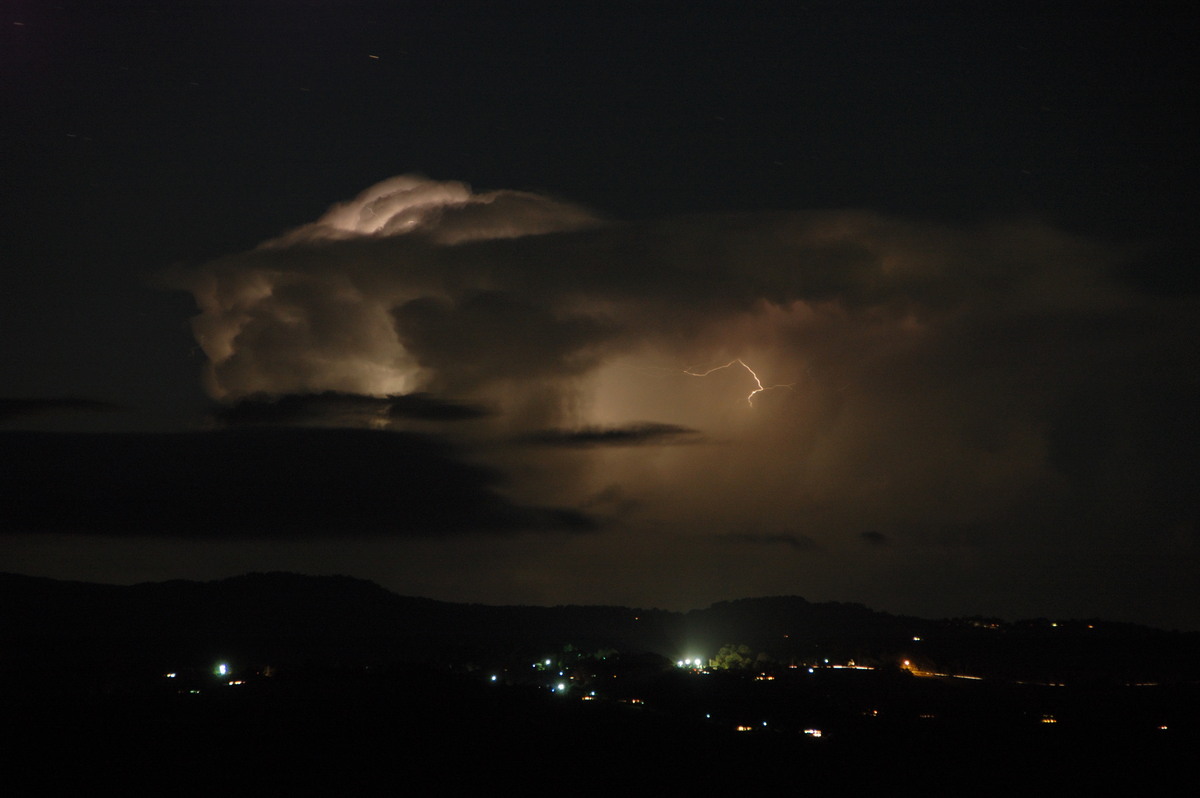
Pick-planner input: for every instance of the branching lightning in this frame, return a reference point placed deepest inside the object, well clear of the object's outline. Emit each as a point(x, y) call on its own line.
point(739, 362)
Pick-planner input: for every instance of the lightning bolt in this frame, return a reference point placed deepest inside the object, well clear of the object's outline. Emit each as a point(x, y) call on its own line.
point(739, 362)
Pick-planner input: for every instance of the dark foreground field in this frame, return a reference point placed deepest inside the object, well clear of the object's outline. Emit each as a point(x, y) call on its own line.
point(279, 684)
point(425, 730)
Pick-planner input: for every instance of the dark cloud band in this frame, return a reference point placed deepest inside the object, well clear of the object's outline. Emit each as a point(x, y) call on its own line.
point(261, 483)
point(631, 435)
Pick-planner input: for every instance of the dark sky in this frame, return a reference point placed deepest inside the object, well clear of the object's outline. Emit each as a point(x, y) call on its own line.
point(423, 293)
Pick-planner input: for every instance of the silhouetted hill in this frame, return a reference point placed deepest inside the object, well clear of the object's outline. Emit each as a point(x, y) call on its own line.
point(274, 616)
point(283, 617)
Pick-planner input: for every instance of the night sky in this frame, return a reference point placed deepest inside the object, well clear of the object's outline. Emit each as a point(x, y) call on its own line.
point(476, 300)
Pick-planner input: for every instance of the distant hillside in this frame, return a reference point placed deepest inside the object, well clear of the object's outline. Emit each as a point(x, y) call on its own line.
point(283, 617)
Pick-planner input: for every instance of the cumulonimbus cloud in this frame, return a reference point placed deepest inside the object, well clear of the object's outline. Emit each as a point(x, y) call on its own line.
point(419, 284)
point(938, 376)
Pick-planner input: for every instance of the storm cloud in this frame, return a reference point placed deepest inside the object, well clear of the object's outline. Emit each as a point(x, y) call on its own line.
point(920, 379)
point(331, 408)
